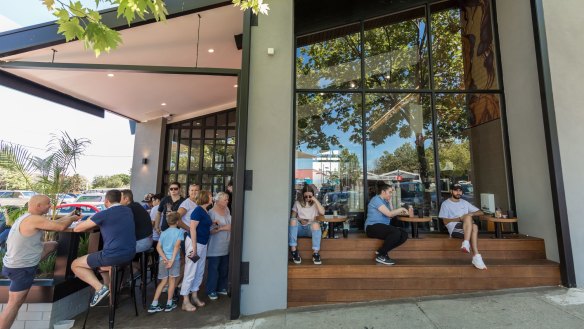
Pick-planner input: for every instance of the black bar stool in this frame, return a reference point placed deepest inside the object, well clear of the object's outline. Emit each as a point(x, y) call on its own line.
point(143, 259)
point(117, 275)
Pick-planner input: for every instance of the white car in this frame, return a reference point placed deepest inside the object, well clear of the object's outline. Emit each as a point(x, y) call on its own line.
point(91, 198)
point(66, 198)
point(15, 198)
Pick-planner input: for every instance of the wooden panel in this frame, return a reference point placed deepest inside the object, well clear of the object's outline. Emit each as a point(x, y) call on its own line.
point(430, 254)
point(420, 284)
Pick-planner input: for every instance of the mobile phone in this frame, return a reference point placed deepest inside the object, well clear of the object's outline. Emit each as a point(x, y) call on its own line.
point(77, 211)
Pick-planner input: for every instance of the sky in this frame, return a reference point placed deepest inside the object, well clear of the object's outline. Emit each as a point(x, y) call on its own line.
point(30, 121)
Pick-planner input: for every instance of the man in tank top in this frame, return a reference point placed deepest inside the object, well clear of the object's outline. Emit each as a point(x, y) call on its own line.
point(25, 251)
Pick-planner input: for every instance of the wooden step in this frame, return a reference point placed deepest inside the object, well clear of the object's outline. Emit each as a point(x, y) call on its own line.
point(430, 246)
point(354, 280)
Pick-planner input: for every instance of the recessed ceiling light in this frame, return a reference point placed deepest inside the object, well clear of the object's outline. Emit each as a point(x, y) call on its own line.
point(234, 86)
point(111, 75)
point(211, 50)
point(163, 104)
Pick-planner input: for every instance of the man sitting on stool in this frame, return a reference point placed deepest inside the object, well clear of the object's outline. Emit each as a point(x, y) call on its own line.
point(460, 212)
point(116, 225)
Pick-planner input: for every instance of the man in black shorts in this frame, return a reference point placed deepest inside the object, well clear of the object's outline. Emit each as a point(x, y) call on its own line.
point(25, 250)
point(116, 225)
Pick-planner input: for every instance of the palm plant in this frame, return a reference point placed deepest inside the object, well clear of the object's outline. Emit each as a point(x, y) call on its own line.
point(45, 175)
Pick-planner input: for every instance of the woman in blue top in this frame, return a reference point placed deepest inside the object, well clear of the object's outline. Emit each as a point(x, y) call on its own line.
point(377, 225)
point(196, 244)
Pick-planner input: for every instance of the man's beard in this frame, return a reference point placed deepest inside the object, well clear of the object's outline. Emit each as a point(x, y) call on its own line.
point(457, 196)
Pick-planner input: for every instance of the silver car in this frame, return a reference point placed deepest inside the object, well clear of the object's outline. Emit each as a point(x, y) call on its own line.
point(15, 198)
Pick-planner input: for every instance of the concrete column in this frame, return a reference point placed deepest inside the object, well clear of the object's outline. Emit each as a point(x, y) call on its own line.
point(526, 137)
point(148, 144)
point(269, 155)
point(563, 24)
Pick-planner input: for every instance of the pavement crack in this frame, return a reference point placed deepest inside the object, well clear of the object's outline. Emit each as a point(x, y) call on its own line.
point(426, 315)
point(559, 307)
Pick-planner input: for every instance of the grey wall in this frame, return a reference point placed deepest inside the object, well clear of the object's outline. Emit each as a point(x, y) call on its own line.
point(269, 155)
point(149, 143)
point(527, 143)
point(564, 26)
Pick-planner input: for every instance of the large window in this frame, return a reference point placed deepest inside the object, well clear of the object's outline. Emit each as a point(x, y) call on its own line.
point(411, 98)
point(201, 151)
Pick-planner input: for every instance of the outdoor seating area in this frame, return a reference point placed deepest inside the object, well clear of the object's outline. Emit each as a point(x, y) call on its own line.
point(431, 265)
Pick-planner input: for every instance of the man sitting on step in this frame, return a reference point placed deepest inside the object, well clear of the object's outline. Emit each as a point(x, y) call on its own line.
point(459, 213)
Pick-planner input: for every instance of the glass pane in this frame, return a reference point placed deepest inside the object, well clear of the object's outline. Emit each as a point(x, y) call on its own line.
point(231, 136)
point(182, 179)
point(329, 59)
point(197, 123)
point(222, 119)
point(185, 133)
point(208, 157)
point(194, 179)
point(196, 133)
point(207, 179)
point(396, 52)
point(209, 133)
point(210, 121)
point(231, 119)
point(463, 48)
point(470, 146)
point(183, 156)
point(195, 155)
point(172, 149)
point(186, 125)
point(329, 152)
point(230, 154)
point(400, 150)
point(220, 134)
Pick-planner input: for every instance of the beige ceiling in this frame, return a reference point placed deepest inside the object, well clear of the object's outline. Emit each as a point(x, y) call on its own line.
point(139, 95)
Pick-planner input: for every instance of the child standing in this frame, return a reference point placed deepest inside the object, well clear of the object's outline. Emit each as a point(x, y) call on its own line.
point(169, 267)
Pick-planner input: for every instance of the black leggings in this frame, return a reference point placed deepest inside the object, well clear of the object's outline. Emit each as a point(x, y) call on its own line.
point(392, 236)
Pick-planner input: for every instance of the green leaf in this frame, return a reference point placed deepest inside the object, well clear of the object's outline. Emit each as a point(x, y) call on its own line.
point(49, 4)
point(77, 9)
point(71, 29)
point(101, 38)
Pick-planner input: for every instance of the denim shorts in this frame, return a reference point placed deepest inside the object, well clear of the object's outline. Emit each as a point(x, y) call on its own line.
point(164, 272)
point(20, 278)
point(96, 259)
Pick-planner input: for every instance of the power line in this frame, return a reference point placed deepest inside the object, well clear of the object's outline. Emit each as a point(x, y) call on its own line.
point(89, 155)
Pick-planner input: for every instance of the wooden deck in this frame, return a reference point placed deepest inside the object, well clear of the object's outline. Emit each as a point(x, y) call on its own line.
point(432, 265)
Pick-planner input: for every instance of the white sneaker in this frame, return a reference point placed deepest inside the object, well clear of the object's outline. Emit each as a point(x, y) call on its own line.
point(465, 247)
point(477, 261)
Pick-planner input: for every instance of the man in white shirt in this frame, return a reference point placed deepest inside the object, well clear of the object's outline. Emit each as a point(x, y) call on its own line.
point(458, 213)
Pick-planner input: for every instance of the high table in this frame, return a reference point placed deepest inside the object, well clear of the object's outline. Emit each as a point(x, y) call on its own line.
point(498, 222)
point(332, 219)
point(414, 222)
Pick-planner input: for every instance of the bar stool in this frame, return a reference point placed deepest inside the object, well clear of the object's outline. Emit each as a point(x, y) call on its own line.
point(143, 259)
point(117, 274)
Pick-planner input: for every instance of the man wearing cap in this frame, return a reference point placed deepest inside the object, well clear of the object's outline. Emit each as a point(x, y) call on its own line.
point(459, 213)
point(147, 202)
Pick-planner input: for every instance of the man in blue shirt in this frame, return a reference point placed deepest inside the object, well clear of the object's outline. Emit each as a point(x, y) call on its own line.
point(116, 225)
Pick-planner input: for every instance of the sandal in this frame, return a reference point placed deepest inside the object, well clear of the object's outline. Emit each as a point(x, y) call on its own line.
point(188, 307)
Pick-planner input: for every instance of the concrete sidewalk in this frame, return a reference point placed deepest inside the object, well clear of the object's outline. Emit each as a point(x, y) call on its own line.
point(525, 308)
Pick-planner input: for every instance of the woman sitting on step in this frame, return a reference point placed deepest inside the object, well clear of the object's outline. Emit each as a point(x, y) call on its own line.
point(304, 213)
point(378, 223)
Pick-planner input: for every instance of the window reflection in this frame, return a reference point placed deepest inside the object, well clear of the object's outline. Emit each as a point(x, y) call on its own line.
point(400, 149)
point(330, 59)
point(329, 151)
point(396, 52)
point(471, 150)
point(463, 50)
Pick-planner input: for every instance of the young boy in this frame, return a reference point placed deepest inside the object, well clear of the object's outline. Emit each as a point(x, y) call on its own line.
point(169, 268)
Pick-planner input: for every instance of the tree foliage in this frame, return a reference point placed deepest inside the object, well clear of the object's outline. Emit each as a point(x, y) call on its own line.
point(79, 22)
point(113, 181)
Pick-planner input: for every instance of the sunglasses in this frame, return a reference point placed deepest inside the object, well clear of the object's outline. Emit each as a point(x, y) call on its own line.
point(308, 196)
point(173, 188)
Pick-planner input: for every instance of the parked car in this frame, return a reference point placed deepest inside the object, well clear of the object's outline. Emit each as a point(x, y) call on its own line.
point(66, 197)
point(15, 198)
point(86, 209)
point(91, 198)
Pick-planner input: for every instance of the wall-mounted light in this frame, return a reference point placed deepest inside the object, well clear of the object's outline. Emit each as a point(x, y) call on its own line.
point(144, 161)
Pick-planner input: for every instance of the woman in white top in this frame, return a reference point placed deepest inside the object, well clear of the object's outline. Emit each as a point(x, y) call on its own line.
point(218, 247)
point(303, 223)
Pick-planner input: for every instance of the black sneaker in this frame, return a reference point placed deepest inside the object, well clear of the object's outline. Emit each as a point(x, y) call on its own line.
point(316, 259)
point(296, 257)
point(383, 259)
